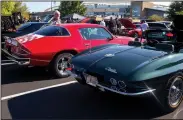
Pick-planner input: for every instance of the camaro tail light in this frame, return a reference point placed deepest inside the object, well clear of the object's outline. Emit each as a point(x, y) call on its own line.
point(23, 51)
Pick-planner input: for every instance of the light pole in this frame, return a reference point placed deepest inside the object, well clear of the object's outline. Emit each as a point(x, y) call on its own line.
point(51, 5)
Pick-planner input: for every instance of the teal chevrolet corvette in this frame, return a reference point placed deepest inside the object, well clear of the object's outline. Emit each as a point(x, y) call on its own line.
point(154, 68)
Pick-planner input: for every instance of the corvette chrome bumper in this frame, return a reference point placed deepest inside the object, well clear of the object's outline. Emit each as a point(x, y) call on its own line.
point(103, 88)
point(125, 93)
point(14, 59)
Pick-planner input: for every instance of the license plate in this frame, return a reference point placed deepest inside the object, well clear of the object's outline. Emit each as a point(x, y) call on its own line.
point(91, 80)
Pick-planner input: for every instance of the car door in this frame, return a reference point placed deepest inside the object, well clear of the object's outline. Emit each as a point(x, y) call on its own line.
point(95, 36)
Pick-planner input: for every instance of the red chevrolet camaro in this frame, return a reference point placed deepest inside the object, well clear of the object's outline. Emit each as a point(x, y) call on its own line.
point(53, 46)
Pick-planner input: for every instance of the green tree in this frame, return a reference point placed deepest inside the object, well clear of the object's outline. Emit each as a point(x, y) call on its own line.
point(155, 17)
point(175, 7)
point(179, 13)
point(70, 7)
point(7, 7)
point(20, 7)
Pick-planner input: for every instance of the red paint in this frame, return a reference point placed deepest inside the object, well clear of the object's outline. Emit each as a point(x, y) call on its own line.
point(43, 48)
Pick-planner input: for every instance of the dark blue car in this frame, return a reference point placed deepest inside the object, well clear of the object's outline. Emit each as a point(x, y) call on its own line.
point(24, 29)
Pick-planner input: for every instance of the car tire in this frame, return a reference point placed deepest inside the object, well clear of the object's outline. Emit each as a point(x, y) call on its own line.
point(174, 88)
point(60, 64)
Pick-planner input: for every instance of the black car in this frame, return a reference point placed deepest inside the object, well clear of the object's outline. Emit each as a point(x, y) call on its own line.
point(24, 29)
point(153, 69)
point(157, 25)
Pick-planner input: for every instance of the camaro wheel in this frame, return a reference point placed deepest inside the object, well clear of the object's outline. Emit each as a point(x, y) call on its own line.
point(173, 95)
point(60, 64)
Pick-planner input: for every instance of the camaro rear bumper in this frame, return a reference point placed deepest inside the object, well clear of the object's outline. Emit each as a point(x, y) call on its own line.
point(103, 88)
point(14, 59)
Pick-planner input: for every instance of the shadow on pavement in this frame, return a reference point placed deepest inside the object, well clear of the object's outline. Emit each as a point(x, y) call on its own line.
point(76, 101)
point(16, 74)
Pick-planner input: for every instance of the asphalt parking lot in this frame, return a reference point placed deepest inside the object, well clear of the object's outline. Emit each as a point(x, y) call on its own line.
point(32, 93)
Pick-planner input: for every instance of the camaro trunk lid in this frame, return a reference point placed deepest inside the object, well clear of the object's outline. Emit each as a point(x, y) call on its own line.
point(27, 38)
point(126, 58)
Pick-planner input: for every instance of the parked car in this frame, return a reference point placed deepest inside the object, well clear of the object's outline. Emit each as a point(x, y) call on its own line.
point(24, 29)
point(53, 46)
point(137, 31)
point(157, 25)
point(129, 29)
point(154, 70)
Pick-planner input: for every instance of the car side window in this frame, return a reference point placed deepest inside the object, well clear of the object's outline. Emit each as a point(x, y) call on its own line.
point(64, 32)
point(52, 31)
point(94, 33)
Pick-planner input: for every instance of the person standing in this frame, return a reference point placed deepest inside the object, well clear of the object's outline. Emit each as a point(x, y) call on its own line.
point(103, 23)
point(144, 27)
point(56, 18)
point(112, 26)
point(118, 23)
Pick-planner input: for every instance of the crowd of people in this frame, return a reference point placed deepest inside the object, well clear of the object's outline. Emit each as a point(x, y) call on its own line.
point(113, 25)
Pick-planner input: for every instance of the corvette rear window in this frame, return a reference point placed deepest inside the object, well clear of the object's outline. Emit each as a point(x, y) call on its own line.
point(52, 31)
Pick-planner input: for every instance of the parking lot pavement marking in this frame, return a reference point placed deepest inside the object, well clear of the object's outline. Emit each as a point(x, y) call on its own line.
point(36, 90)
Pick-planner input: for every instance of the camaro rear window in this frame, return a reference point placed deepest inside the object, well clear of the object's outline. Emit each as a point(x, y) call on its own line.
point(52, 31)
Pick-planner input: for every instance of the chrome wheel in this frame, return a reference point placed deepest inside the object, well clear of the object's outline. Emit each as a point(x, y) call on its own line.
point(63, 65)
point(175, 92)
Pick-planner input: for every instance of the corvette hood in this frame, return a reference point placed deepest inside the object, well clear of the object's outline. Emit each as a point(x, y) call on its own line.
point(121, 60)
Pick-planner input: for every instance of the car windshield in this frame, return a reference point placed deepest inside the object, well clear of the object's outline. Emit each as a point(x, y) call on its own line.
point(22, 27)
point(47, 18)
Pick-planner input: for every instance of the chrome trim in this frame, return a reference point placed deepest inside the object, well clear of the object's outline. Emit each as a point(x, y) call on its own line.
point(115, 91)
point(128, 94)
point(19, 61)
point(7, 62)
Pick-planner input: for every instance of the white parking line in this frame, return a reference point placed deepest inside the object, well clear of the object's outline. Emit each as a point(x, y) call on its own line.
point(36, 90)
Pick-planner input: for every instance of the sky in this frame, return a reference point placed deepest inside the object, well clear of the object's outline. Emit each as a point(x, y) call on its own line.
point(41, 6)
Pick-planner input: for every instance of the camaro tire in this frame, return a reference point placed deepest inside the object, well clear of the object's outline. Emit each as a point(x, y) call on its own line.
point(60, 64)
point(172, 96)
